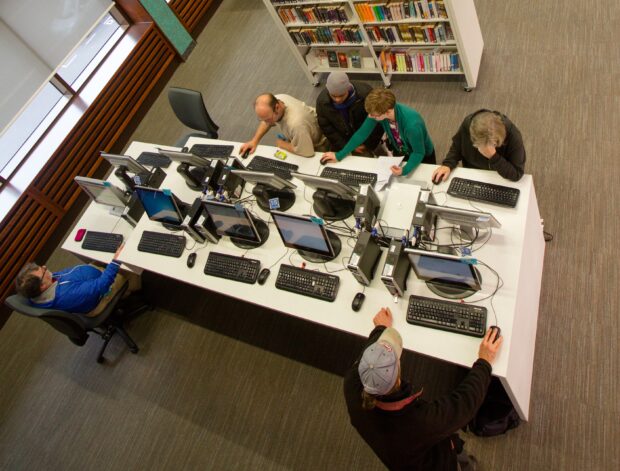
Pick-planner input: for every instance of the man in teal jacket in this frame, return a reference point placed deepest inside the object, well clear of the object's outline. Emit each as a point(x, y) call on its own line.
point(404, 127)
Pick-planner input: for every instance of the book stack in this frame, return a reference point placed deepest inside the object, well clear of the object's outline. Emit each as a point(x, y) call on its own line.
point(310, 15)
point(325, 35)
point(428, 33)
point(338, 59)
point(394, 11)
point(419, 61)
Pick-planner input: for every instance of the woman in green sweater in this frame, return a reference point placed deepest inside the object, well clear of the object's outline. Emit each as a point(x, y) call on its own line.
point(404, 127)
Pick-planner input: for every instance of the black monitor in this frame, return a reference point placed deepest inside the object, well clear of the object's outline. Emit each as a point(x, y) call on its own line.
point(236, 222)
point(333, 200)
point(308, 236)
point(269, 186)
point(447, 276)
point(162, 206)
point(103, 192)
point(466, 219)
point(142, 175)
point(198, 172)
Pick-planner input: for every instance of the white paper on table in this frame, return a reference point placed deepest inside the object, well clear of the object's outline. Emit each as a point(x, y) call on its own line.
point(383, 170)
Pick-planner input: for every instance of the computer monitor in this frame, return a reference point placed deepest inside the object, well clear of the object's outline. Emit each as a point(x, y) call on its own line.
point(198, 172)
point(142, 175)
point(308, 236)
point(103, 192)
point(269, 186)
point(447, 276)
point(333, 200)
point(466, 219)
point(236, 222)
point(162, 206)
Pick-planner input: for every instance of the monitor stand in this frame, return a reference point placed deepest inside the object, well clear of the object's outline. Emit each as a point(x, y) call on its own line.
point(152, 179)
point(452, 290)
point(193, 176)
point(264, 193)
point(332, 207)
point(263, 232)
point(317, 258)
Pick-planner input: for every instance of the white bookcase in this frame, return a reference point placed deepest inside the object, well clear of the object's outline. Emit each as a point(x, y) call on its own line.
point(388, 38)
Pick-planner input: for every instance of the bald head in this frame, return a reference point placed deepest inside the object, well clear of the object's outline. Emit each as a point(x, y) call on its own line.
point(268, 108)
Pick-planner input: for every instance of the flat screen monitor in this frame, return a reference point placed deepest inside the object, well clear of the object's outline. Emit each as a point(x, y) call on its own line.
point(160, 205)
point(327, 184)
point(308, 236)
point(464, 217)
point(103, 192)
point(268, 179)
point(236, 222)
point(185, 157)
point(270, 190)
point(448, 276)
point(125, 161)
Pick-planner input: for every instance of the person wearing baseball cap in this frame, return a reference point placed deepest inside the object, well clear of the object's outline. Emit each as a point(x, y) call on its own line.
point(404, 429)
point(340, 112)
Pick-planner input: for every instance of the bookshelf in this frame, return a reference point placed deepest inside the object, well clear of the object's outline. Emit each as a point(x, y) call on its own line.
point(396, 37)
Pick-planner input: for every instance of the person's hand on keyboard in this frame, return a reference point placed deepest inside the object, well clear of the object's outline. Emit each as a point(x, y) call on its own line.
point(490, 345)
point(118, 251)
point(384, 317)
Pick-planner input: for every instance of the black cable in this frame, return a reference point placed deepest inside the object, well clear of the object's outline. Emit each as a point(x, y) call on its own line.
point(499, 284)
point(276, 262)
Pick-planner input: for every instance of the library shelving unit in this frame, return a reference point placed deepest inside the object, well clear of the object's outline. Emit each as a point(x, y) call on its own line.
point(388, 38)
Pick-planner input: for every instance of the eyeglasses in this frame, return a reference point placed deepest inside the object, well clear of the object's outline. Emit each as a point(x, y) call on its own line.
point(44, 272)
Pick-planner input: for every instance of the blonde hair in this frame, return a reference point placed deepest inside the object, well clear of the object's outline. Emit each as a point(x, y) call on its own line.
point(487, 128)
point(379, 101)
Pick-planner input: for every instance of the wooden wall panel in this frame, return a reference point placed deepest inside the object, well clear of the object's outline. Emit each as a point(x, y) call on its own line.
point(190, 12)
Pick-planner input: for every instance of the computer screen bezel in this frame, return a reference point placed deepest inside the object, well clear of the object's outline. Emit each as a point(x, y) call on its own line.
point(330, 253)
point(85, 182)
point(264, 178)
point(445, 212)
point(474, 285)
point(164, 192)
point(327, 184)
point(248, 217)
point(118, 160)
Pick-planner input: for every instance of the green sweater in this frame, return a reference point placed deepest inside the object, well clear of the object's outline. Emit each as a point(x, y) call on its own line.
point(416, 141)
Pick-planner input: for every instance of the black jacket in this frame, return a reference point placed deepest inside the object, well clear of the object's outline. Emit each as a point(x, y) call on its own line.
point(416, 437)
point(508, 161)
point(333, 125)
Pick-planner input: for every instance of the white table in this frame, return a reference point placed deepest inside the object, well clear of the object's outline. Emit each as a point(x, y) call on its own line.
point(515, 251)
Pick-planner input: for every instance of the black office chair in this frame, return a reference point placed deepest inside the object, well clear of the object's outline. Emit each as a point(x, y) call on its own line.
point(77, 326)
point(189, 107)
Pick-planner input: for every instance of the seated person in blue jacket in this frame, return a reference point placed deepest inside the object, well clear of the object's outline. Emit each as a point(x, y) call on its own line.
point(81, 289)
point(404, 127)
point(340, 111)
point(486, 140)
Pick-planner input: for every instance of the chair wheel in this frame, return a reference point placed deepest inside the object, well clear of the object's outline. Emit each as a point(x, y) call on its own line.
point(100, 360)
point(134, 350)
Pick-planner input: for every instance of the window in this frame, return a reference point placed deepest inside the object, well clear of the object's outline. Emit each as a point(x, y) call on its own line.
point(19, 137)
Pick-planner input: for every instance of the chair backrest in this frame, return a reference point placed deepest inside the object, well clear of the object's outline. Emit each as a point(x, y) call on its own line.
point(189, 107)
point(71, 324)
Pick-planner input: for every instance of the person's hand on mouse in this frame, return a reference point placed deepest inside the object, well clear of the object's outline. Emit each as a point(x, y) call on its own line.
point(396, 170)
point(328, 157)
point(490, 346)
point(440, 174)
point(249, 146)
point(384, 317)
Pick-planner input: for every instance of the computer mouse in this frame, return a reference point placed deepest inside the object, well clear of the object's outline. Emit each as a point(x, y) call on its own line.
point(324, 161)
point(263, 275)
point(191, 259)
point(358, 300)
point(245, 154)
point(498, 332)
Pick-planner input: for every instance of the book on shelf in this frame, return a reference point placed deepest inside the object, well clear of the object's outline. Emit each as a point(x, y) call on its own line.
point(421, 33)
point(356, 60)
point(332, 59)
point(343, 60)
point(397, 11)
point(412, 60)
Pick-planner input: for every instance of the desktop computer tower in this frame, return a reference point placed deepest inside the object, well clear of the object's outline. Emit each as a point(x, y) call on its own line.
point(396, 269)
point(366, 207)
point(232, 184)
point(365, 258)
point(199, 225)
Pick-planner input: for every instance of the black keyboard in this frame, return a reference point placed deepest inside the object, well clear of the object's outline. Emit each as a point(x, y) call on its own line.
point(153, 159)
point(486, 192)
point(211, 150)
point(308, 282)
point(170, 245)
point(349, 177)
point(452, 316)
point(232, 267)
point(102, 241)
point(281, 169)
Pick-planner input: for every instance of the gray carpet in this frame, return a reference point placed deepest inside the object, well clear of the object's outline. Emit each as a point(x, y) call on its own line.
point(220, 386)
